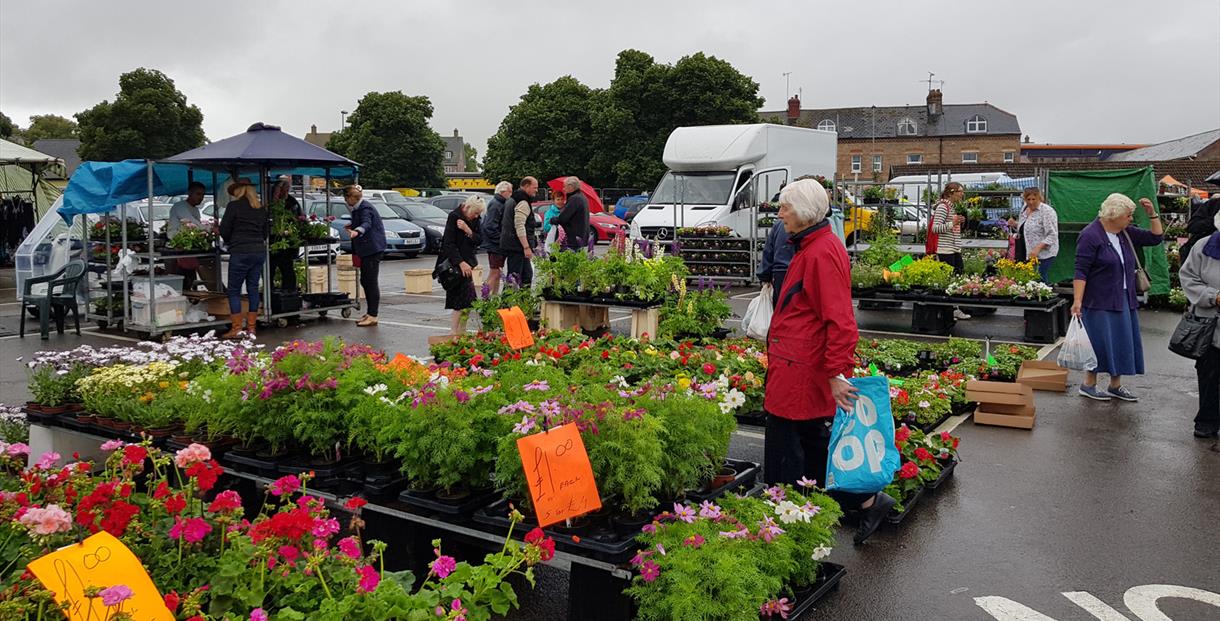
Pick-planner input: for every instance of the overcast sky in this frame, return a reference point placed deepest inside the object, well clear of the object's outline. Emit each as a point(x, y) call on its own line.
point(1082, 71)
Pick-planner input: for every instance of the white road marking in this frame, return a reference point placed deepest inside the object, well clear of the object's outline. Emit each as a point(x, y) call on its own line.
point(403, 324)
point(749, 434)
point(1048, 348)
point(1141, 600)
point(1095, 606)
point(93, 330)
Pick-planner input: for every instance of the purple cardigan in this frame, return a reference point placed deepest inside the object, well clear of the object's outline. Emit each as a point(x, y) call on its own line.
point(1099, 266)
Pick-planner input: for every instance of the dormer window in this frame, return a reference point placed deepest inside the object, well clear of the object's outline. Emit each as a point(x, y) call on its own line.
point(906, 127)
point(976, 125)
point(827, 125)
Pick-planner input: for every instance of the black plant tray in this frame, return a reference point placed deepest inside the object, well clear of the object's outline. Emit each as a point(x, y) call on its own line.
point(599, 541)
point(335, 478)
point(427, 501)
point(718, 333)
point(945, 473)
point(908, 505)
point(827, 582)
point(250, 464)
point(1032, 303)
point(934, 424)
point(377, 489)
point(747, 474)
point(756, 418)
point(609, 301)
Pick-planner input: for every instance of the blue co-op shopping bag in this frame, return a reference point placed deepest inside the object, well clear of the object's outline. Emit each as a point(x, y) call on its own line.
point(863, 458)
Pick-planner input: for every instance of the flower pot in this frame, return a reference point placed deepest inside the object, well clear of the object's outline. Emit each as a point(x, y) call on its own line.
point(74, 407)
point(576, 526)
point(453, 496)
point(630, 524)
point(54, 409)
point(723, 477)
point(159, 433)
point(33, 406)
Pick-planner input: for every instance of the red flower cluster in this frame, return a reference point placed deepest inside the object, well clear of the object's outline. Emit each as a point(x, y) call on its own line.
point(205, 473)
point(545, 545)
point(909, 470)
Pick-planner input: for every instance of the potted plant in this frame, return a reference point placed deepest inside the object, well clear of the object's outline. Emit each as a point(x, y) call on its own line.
point(193, 238)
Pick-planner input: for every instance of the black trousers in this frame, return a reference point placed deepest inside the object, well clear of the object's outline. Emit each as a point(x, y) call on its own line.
point(1208, 369)
point(955, 260)
point(370, 270)
point(800, 448)
point(285, 263)
point(519, 266)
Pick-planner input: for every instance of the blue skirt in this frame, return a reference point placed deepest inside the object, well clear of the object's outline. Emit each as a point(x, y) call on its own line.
point(1115, 336)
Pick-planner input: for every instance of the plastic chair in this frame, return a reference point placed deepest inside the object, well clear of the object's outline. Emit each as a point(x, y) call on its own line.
point(59, 298)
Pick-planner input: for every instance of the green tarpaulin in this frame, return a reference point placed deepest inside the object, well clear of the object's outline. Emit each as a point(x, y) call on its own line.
point(1077, 195)
point(18, 180)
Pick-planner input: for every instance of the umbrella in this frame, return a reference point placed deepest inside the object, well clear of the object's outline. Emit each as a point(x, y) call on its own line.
point(595, 203)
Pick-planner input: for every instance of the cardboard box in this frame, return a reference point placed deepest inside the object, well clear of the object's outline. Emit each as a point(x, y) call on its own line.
point(1043, 375)
point(417, 281)
point(318, 279)
point(983, 416)
point(215, 304)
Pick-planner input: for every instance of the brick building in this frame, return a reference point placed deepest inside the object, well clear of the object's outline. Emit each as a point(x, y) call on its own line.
point(873, 139)
point(455, 153)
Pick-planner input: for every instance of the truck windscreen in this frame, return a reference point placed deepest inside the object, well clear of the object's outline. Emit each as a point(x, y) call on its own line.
point(694, 188)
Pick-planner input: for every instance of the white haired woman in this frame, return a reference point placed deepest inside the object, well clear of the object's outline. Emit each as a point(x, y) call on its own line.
point(1201, 282)
point(811, 350)
point(460, 247)
point(1105, 292)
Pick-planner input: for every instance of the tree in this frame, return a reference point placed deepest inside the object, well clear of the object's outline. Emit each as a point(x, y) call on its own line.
point(545, 135)
point(49, 126)
point(149, 119)
point(7, 127)
point(389, 135)
point(472, 158)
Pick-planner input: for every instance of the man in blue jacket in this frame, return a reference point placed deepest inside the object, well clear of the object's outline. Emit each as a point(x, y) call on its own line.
point(368, 243)
point(491, 235)
point(777, 254)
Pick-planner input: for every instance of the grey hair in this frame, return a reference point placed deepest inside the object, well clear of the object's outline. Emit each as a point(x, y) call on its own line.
point(474, 206)
point(572, 181)
point(503, 187)
point(1116, 206)
point(807, 199)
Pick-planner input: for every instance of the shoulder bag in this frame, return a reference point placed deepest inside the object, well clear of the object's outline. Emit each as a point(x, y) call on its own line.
point(1142, 284)
point(1193, 336)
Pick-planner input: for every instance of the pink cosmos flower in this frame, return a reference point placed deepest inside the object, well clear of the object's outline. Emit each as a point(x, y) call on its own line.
point(768, 529)
point(709, 510)
point(735, 534)
point(694, 541)
point(110, 445)
point(350, 547)
point(46, 520)
point(807, 483)
point(776, 494)
point(779, 607)
point(285, 485)
point(443, 566)
point(541, 385)
point(684, 513)
point(115, 595)
point(258, 614)
point(369, 578)
point(192, 454)
point(526, 425)
point(649, 528)
point(650, 571)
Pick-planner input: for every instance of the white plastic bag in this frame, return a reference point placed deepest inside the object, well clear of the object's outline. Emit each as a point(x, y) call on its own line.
point(757, 320)
point(1077, 351)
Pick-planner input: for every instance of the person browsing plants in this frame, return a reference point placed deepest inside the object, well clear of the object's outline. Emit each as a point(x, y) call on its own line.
point(810, 350)
point(1200, 275)
point(1037, 233)
point(459, 246)
point(1105, 290)
point(947, 224)
point(368, 243)
point(244, 229)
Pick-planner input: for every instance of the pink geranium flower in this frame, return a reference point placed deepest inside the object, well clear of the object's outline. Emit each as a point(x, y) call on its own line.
point(286, 485)
point(191, 455)
point(350, 547)
point(443, 566)
point(46, 520)
point(369, 578)
point(193, 530)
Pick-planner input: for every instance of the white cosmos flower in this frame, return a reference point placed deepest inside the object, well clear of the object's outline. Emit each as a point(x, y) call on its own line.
point(788, 512)
point(375, 389)
point(734, 399)
point(821, 552)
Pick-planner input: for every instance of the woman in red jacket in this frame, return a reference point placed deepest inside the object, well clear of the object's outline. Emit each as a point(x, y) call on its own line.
point(810, 351)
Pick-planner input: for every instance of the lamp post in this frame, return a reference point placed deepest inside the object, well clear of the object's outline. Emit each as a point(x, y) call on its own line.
point(342, 119)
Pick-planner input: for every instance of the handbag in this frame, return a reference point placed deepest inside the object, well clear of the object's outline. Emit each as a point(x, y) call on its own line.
point(1194, 336)
point(447, 274)
point(1142, 284)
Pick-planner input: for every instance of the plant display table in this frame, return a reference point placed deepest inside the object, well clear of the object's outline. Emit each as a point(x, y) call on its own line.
point(564, 314)
point(933, 314)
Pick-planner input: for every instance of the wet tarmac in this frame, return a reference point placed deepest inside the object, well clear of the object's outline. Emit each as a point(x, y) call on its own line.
point(1099, 498)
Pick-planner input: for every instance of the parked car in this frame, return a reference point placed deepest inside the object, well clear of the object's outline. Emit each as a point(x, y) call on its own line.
point(449, 202)
point(429, 217)
point(400, 235)
point(628, 206)
point(606, 225)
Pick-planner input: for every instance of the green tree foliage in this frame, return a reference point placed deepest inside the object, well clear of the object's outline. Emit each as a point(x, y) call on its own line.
point(49, 126)
point(149, 118)
point(7, 126)
point(472, 158)
point(615, 136)
point(388, 134)
point(546, 134)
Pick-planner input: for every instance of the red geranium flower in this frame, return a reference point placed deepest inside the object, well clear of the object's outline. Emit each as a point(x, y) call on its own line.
point(175, 504)
point(355, 503)
point(172, 601)
point(162, 490)
point(118, 516)
point(545, 544)
point(205, 473)
point(709, 368)
point(909, 470)
point(902, 433)
point(227, 500)
point(134, 455)
point(922, 454)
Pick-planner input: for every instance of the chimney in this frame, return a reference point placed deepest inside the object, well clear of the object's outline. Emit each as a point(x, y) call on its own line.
point(313, 129)
point(936, 103)
point(456, 134)
point(794, 109)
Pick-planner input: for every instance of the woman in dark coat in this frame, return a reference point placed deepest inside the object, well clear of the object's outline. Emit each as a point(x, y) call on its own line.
point(244, 230)
point(368, 242)
point(459, 248)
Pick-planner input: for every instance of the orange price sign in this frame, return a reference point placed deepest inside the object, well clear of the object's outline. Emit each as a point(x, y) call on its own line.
point(101, 561)
point(516, 328)
point(559, 474)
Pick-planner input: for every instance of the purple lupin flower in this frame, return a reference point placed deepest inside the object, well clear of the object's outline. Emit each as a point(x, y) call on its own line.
point(561, 237)
point(486, 292)
point(592, 243)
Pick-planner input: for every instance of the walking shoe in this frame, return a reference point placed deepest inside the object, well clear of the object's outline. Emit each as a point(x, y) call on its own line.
point(1206, 432)
point(1093, 392)
point(1122, 393)
point(873, 516)
point(959, 315)
point(368, 320)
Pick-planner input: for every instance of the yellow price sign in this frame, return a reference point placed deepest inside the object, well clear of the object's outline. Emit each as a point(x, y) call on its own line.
point(101, 561)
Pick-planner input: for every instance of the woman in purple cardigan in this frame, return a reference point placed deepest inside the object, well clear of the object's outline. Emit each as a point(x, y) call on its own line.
point(1105, 292)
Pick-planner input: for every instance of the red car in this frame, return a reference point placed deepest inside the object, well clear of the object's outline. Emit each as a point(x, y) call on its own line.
point(606, 224)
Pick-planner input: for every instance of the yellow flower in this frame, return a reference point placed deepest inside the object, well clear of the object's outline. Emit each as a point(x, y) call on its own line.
point(146, 397)
point(683, 383)
point(163, 385)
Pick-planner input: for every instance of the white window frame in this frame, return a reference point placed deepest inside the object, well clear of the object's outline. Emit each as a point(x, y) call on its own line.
point(914, 158)
point(448, 155)
point(857, 163)
point(877, 163)
point(970, 157)
point(1010, 157)
point(908, 127)
point(976, 125)
point(827, 125)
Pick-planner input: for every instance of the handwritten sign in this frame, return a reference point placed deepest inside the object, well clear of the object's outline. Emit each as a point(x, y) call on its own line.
point(559, 474)
point(100, 561)
point(516, 328)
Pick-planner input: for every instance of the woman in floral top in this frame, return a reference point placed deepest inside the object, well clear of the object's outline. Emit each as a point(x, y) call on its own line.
point(1037, 232)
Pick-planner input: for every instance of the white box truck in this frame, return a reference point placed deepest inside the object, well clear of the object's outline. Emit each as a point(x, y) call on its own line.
point(718, 173)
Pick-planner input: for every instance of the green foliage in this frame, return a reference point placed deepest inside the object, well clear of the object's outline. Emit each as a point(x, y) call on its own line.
point(13, 426)
point(43, 126)
point(866, 276)
point(883, 250)
point(694, 314)
point(285, 227)
point(974, 263)
point(1177, 299)
point(389, 135)
point(447, 443)
point(149, 119)
point(7, 126)
point(53, 387)
point(926, 272)
point(510, 295)
point(627, 456)
point(696, 434)
point(472, 158)
point(616, 135)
